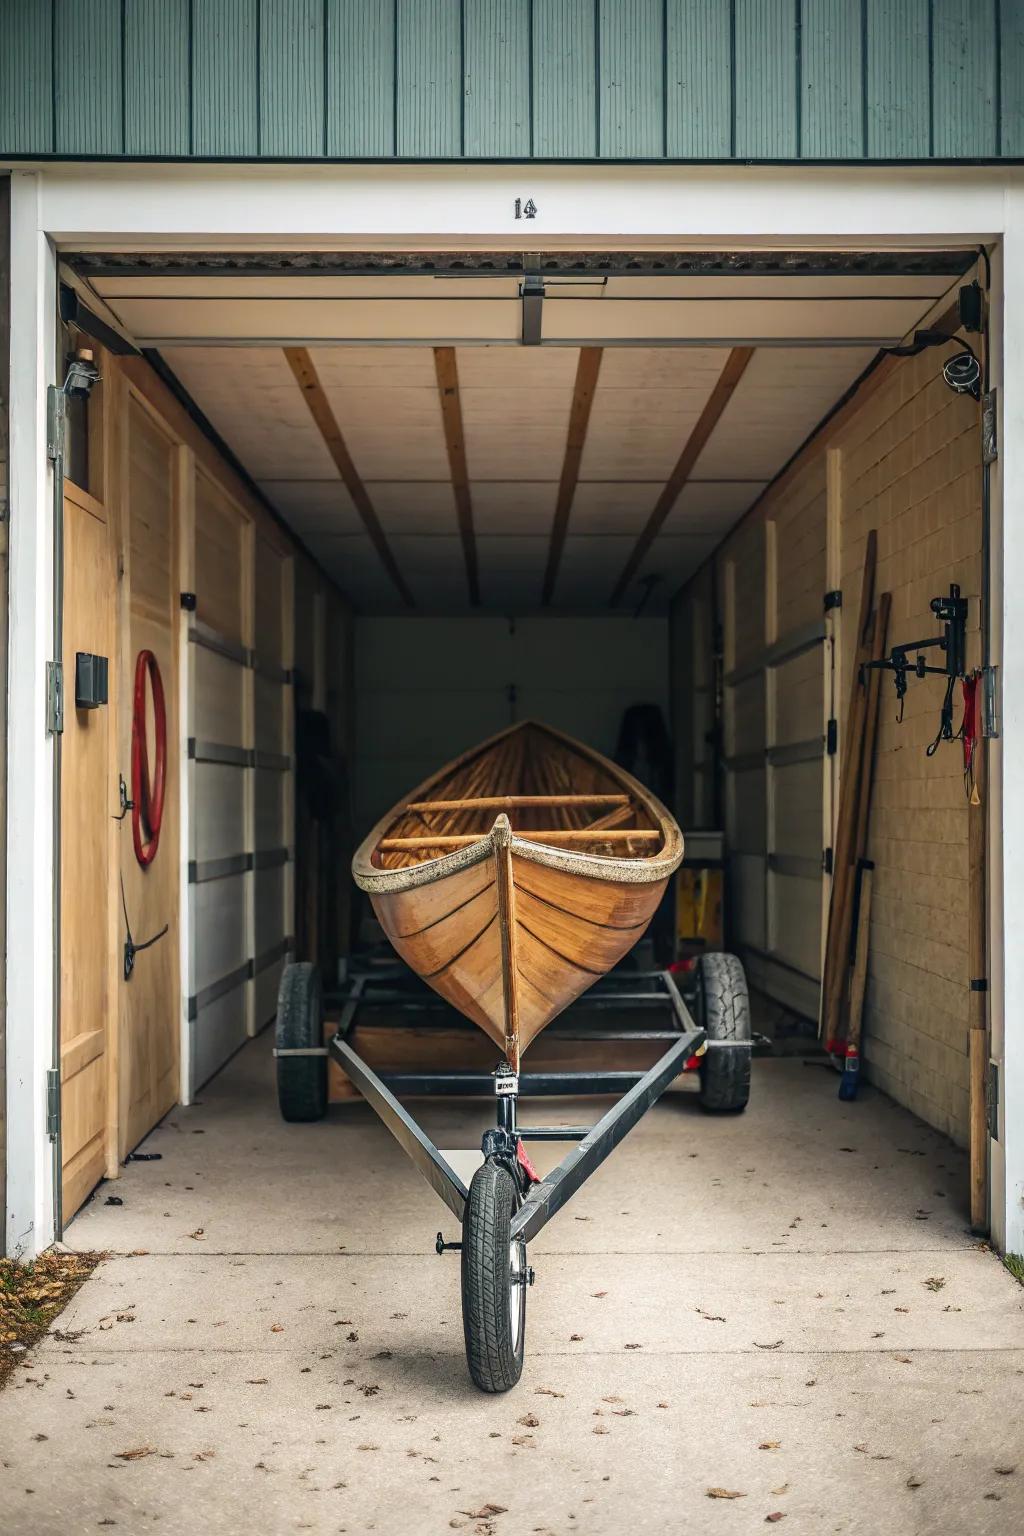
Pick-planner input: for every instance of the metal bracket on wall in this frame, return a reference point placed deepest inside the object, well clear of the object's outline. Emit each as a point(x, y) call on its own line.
point(990, 702)
point(992, 1100)
point(989, 431)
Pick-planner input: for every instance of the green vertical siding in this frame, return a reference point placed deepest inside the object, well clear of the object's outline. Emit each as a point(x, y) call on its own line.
point(963, 78)
point(631, 67)
point(564, 79)
point(26, 78)
point(832, 96)
point(497, 78)
point(292, 78)
point(361, 78)
point(898, 81)
point(429, 78)
point(87, 43)
point(157, 84)
point(622, 80)
point(766, 80)
point(698, 109)
point(225, 79)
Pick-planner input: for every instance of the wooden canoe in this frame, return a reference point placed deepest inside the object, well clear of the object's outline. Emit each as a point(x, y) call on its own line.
point(518, 875)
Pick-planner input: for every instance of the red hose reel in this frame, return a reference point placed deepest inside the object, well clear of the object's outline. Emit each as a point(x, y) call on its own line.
point(148, 793)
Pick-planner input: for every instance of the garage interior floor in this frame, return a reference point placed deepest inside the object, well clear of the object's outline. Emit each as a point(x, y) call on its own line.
point(784, 1307)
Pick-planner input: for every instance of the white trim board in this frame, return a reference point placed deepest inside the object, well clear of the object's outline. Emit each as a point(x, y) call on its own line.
point(113, 207)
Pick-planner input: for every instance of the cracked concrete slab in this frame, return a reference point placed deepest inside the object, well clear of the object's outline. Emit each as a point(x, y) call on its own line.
point(785, 1307)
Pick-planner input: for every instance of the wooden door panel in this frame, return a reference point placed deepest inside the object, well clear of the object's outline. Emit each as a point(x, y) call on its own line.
point(149, 1044)
point(88, 795)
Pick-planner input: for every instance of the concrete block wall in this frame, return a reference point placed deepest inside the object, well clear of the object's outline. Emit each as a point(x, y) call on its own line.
point(908, 464)
point(910, 467)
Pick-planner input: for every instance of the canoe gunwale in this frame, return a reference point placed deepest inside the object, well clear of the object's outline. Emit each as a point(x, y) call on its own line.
point(586, 866)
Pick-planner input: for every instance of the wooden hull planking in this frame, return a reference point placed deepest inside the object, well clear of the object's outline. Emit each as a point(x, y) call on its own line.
point(508, 929)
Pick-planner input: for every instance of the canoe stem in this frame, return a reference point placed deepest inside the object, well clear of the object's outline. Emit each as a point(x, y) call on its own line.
point(501, 838)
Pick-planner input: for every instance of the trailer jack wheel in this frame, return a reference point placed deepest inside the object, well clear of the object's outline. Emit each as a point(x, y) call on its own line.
point(495, 1278)
point(725, 1017)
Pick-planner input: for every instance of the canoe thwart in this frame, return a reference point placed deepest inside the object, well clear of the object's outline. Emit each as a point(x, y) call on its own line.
point(515, 802)
point(554, 836)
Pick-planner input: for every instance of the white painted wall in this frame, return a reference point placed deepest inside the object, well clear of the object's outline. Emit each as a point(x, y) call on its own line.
point(428, 688)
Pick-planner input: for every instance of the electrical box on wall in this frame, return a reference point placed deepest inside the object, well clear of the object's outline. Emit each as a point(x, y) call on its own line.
point(90, 680)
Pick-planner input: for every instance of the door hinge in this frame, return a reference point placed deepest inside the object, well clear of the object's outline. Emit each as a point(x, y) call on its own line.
point(989, 430)
point(54, 697)
point(55, 419)
point(52, 1103)
point(832, 737)
point(992, 1099)
point(826, 861)
point(990, 702)
point(833, 600)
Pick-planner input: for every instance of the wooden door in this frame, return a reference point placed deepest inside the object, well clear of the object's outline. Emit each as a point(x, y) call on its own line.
point(88, 1003)
point(150, 1000)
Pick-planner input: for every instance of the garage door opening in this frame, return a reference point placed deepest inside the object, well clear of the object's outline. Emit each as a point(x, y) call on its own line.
point(366, 512)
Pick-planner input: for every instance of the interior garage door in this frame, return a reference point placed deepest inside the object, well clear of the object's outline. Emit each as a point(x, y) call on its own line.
point(778, 743)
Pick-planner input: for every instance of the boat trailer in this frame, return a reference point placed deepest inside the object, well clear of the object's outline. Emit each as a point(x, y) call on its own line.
point(507, 1203)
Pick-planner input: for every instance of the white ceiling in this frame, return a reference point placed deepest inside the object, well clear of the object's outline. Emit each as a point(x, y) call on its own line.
point(664, 340)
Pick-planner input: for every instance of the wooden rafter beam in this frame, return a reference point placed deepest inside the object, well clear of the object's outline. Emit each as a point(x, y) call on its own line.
point(587, 370)
point(308, 380)
point(447, 372)
point(735, 367)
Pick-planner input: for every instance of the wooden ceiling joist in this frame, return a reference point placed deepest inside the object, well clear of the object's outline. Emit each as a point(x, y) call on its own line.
point(308, 380)
point(455, 441)
point(734, 369)
point(587, 370)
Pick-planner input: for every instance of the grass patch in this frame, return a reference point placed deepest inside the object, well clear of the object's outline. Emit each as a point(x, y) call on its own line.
point(32, 1295)
point(1014, 1262)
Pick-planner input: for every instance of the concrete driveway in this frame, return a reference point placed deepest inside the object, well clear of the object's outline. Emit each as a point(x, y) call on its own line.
point(774, 1319)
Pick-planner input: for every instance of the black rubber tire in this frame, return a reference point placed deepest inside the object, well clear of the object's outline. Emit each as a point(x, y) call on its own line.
point(495, 1362)
point(301, 1080)
point(725, 1006)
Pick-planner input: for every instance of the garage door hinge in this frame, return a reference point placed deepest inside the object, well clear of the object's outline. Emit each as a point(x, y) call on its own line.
point(52, 1103)
point(832, 737)
point(992, 1100)
point(54, 698)
point(55, 418)
point(826, 861)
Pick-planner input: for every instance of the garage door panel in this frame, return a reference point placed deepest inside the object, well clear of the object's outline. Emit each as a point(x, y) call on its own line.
point(220, 924)
point(269, 806)
point(796, 922)
point(218, 812)
point(218, 713)
point(797, 800)
point(748, 825)
point(746, 717)
point(747, 900)
point(270, 714)
point(265, 986)
point(798, 698)
point(270, 894)
point(217, 1032)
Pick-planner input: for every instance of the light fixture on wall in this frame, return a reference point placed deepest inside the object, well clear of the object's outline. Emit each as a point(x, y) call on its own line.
point(962, 372)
